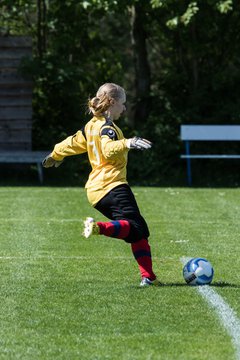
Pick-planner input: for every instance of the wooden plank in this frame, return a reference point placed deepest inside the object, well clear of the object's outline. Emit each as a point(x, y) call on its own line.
point(12, 76)
point(10, 63)
point(13, 135)
point(13, 73)
point(7, 134)
point(15, 101)
point(15, 95)
point(15, 53)
point(23, 91)
point(15, 124)
point(14, 83)
point(22, 156)
point(23, 135)
point(9, 72)
point(15, 41)
point(15, 113)
point(5, 146)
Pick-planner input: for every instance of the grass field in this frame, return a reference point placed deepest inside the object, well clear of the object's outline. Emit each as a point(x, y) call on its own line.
point(66, 297)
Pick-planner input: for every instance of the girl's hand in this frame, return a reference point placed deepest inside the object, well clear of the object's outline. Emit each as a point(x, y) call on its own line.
point(139, 143)
point(49, 162)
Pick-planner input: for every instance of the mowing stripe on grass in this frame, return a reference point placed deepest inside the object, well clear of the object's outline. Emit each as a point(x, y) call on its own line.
point(53, 257)
point(72, 257)
point(226, 314)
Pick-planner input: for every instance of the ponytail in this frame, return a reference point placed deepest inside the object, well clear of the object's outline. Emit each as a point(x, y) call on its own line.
point(105, 96)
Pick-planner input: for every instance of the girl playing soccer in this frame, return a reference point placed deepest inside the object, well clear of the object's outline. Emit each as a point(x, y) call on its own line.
point(107, 187)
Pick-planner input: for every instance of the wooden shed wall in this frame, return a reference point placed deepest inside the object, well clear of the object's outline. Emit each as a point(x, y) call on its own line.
point(15, 95)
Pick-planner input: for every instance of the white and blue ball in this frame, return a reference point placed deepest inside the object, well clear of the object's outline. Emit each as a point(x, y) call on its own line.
point(198, 271)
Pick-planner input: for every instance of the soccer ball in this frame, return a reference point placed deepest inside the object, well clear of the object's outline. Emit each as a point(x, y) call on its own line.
point(198, 271)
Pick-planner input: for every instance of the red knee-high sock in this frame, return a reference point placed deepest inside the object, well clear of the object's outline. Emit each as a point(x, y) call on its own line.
point(117, 229)
point(142, 253)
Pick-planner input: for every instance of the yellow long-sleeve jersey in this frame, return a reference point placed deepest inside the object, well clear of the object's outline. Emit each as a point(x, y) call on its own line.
point(107, 152)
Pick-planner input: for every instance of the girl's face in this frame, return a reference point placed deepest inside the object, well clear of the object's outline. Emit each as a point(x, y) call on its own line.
point(117, 108)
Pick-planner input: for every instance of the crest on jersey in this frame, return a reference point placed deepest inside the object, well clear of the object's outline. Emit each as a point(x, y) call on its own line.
point(110, 133)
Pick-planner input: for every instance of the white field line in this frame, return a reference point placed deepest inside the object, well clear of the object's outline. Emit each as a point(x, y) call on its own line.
point(226, 314)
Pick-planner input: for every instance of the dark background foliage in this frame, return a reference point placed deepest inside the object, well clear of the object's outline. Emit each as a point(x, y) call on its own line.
point(178, 61)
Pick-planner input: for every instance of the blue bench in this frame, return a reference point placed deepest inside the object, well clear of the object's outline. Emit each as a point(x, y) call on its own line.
point(190, 133)
point(25, 157)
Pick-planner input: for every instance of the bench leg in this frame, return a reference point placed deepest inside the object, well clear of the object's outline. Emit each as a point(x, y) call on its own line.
point(189, 172)
point(40, 172)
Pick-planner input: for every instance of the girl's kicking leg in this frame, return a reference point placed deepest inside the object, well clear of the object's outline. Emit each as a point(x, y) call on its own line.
point(127, 224)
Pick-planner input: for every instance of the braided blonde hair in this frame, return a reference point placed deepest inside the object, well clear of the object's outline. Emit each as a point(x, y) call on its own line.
point(105, 96)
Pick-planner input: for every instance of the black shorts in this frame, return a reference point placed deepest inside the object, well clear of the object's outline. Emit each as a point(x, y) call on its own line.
point(120, 204)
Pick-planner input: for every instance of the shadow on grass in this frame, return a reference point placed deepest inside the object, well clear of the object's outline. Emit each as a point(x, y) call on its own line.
point(220, 284)
point(223, 284)
point(214, 284)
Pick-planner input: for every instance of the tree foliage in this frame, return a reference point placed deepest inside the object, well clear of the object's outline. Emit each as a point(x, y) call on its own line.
point(178, 60)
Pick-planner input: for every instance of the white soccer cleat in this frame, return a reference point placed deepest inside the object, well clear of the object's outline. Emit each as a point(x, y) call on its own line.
point(147, 282)
point(90, 227)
